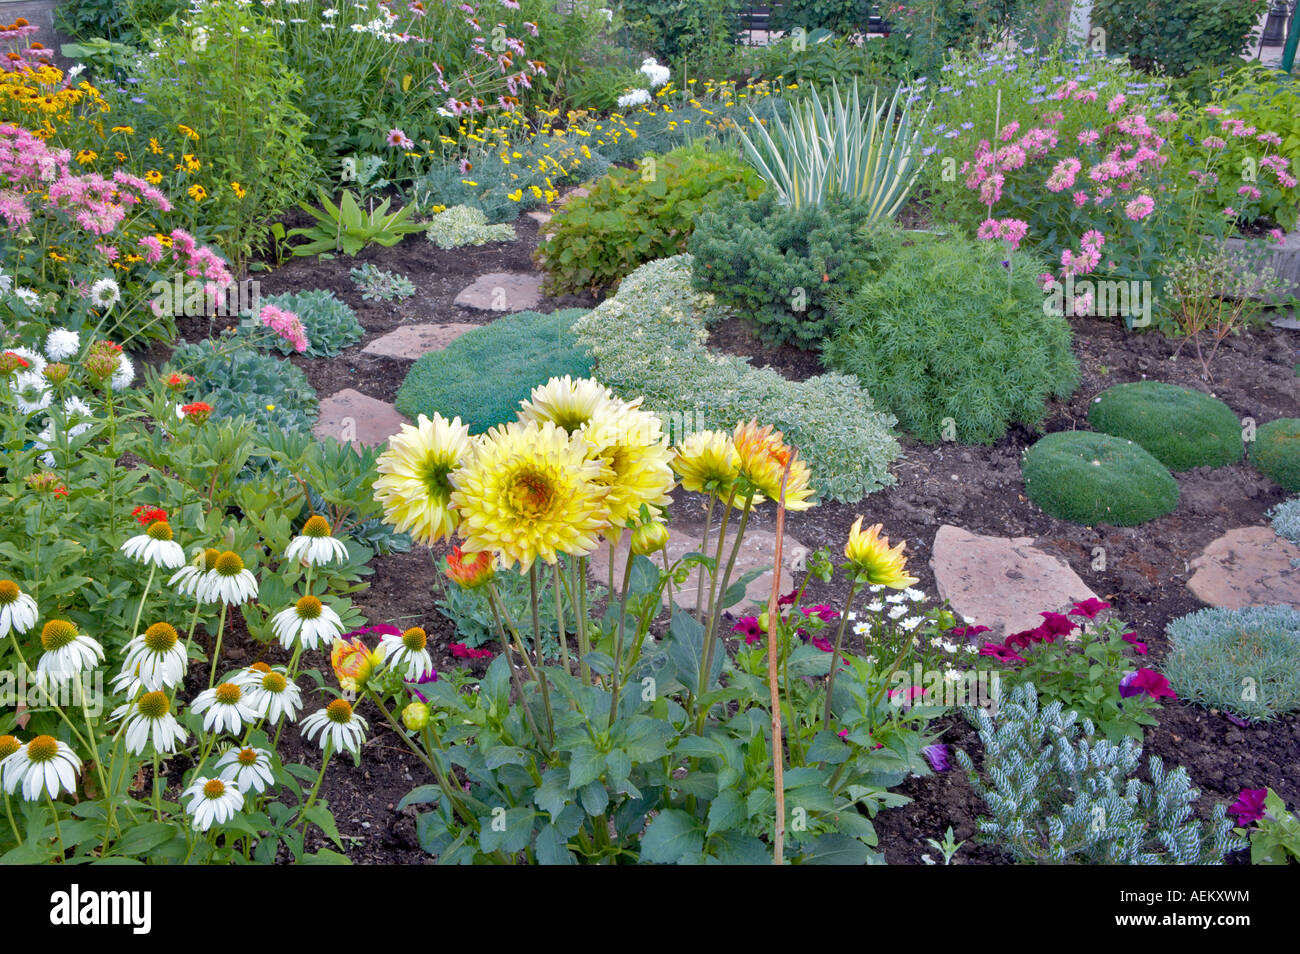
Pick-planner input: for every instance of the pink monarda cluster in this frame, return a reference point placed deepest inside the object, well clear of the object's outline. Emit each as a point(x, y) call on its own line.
point(285, 324)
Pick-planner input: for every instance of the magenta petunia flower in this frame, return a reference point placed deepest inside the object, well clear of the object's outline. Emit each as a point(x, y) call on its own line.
point(1249, 806)
point(1139, 647)
point(1089, 608)
point(1146, 680)
point(1057, 624)
point(1001, 653)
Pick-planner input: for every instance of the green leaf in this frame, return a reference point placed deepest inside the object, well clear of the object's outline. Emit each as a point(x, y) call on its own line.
point(836, 849)
point(508, 830)
point(671, 837)
point(143, 838)
point(726, 811)
point(585, 765)
point(551, 848)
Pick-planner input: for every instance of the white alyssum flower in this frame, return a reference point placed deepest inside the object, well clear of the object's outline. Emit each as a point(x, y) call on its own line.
point(338, 726)
point(18, 611)
point(61, 344)
point(212, 801)
point(309, 622)
point(155, 547)
point(149, 718)
point(43, 767)
point(225, 707)
point(67, 653)
point(249, 768)
point(315, 546)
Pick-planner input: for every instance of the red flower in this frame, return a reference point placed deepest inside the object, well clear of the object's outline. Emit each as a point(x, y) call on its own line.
point(461, 651)
point(1249, 806)
point(1138, 647)
point(199, 411)
point(1001, 653)
point(1146, 680)
point(1089, 608)
point(967, 632)
point(1057, 624)
point(144, 515)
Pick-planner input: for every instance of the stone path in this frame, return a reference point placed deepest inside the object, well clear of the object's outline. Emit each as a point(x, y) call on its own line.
point(502, 291)
point(757, 550)
point(1002, 583)
point(351, 417)
point(1249, 566)
point(410, 341)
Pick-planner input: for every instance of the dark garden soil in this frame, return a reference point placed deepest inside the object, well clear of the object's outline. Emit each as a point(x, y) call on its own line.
point(977, 488)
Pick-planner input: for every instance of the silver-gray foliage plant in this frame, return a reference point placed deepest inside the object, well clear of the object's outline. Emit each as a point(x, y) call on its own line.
point(1062, 795)
point(1286, 522)
point(650, 339)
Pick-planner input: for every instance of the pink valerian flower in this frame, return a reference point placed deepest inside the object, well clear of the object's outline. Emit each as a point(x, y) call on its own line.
point(1116, 104)
point(398, 139)
point(285, 324)
point(1148, 682)
point(1139, 207)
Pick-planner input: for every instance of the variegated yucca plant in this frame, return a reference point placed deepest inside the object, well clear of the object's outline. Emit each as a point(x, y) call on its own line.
point(837, 147)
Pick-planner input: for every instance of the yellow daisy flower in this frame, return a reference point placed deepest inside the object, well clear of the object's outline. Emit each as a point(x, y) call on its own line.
point(875, 563)
point(413, 483)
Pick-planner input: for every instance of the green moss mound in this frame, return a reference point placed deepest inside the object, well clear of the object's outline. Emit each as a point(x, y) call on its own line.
point(1180, 427)
point(1092, 479)
point(484, 374)
point(1238, 660)
point(1275, 452)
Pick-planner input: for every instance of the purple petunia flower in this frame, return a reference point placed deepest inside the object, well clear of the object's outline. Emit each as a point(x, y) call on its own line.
point(1146, 680)
point(1249, 806)
point(937, 756)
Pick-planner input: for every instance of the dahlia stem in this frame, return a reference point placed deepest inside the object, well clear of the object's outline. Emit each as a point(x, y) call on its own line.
point(559, 620)
point(514, 674)
point(835, 657)
point(704, 548)
point(216, 652)
point(669, 584)
point(713, 580)
point(578, 599)
point(537, 650)
point(715, 612)
point(774, 689)
point(315, 789)
point(139, 610)
point(618, 643)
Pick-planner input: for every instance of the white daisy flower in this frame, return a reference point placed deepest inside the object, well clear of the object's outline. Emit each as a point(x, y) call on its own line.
point(44, 766)
point(150, 717)
point(971, 648)
point(271, 694)
point(913, 594)
point(408, 650)
point(953, 675)
point(895, 597)
point(188, 580)
point(337, 725)
point(212, 801)
point(897, 612)
point(875, 606)
point(156, 657)
point(66, 652)
point(248, 768)
point(225, 707)
point(124, 374)
point(17, 610)
point(62, 344)
point(228, 581)
point(105, 293)
point(155, 547)
point(31, 391)
point(308, 621)
point(315, 546)
point(862, 629)
point(910, 623)
point(946, 645)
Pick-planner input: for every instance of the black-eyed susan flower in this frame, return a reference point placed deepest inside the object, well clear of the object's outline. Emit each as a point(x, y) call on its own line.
point(155, 547)
point(156, 657)
point(44, 766)
point(226, 708)
point(871, 557)
point(150, 719)
point(315, 546)
point(307, 623)
point(338, 726)
point(66, 652)
point(17, 610)
point(529, 491)
point(414, 477)
point(249, 769)
point(212, 802)
point(407, 653)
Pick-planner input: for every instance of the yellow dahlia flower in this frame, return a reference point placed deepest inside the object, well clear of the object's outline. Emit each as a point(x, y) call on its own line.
point(527, 492)
point(636, 462)
point(763, 456)
point(414, 484)
point(870, 555)
point(570, 404)
point(708, 463)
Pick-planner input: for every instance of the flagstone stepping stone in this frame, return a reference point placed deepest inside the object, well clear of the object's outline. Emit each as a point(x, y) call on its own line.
point(1249, 566)
point(410, 341)
point(541, 218)
point(351, 417)
point(757, 550)
point(1002, 583)
point(502, 291)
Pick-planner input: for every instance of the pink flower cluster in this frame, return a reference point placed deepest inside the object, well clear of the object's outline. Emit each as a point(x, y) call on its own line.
point(285, 324)
point(1012, 231)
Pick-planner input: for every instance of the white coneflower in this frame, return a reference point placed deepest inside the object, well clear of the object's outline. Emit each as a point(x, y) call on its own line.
point(308, 621)
point(228, 581)
point(8, 746)
point(124, 374)
point(315, 546)
point(66, 652)
point(62, 344)
point(44, 766)
point(272, 695)
point(225, 708)
point(188, 580)
point(156, 657)
point(105, 293)
point(150, 717)
point(337, 726)
point(17, 610)
point(248, 768)
point(31, 392)
point(35, 361)
point(408, 650)
point(212, 801)
point(155, 547)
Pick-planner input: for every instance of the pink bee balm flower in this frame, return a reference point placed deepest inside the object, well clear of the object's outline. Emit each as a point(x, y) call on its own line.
point(1214, 142)
point(1092, 239)
point(1080, 199)
point(1140, 207)
point(1116, 104)
point(1230, 212)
